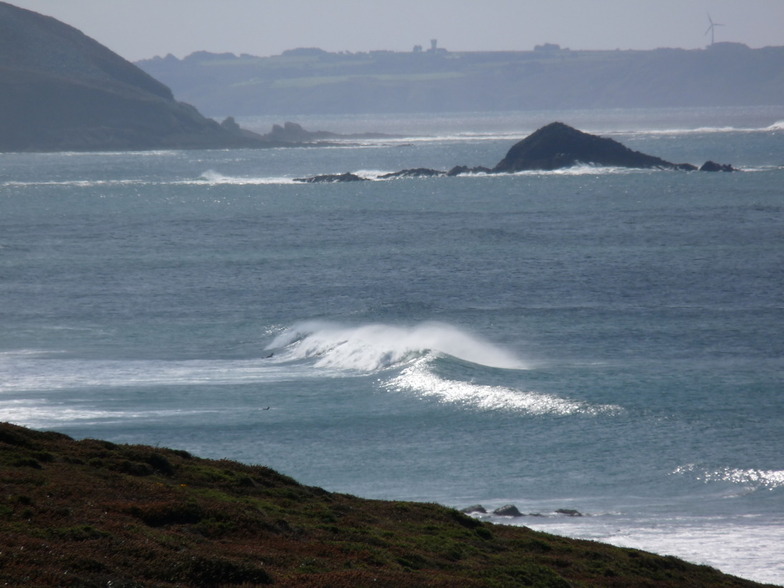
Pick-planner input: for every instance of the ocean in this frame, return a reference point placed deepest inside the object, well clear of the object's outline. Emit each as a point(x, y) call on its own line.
point(598, 340)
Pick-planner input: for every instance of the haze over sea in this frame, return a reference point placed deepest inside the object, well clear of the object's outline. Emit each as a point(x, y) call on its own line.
point(603, 340)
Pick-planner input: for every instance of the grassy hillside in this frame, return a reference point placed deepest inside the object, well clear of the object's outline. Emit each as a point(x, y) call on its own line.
point(92, 513)
point(62, 91)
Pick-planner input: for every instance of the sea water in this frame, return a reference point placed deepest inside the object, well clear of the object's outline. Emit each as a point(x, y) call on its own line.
point(606, 341)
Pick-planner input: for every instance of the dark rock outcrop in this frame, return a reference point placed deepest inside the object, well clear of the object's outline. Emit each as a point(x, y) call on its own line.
point(474, 508)
point(460, 170)
point(558, 146)
point(418, 172)
point(62, 91)
point(712, 166)
point(510, 510)
point(294, 133)
point(291, 132)
point(331, 179)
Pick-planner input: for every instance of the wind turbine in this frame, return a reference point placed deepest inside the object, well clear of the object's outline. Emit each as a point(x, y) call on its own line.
point(712, 28)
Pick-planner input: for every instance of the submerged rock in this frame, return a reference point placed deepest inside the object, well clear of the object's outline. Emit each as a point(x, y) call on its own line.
point(557, 146)
point(569, 512)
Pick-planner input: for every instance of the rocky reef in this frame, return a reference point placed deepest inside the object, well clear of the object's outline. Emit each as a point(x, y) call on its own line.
point(554, 146)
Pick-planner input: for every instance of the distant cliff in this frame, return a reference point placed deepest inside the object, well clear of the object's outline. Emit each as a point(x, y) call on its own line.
point(318, 82)
point(62, 91)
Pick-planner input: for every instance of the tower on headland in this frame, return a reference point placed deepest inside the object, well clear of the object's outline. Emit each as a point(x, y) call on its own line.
point(435, 49)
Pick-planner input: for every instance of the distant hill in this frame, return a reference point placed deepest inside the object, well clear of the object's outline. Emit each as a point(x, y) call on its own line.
point(312, 81)
point(61, 90)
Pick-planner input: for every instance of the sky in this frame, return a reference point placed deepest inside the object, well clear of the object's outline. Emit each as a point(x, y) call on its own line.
point(141, 29)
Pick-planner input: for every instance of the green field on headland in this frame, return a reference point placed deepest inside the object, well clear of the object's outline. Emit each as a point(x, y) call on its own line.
point(312, 81)
point(93, 513)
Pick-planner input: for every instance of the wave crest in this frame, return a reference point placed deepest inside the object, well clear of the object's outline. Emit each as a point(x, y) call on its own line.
point(375, 347)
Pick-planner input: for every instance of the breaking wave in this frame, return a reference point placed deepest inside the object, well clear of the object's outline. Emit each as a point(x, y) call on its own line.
point(415, 355)
point(375, 347)
point(421, 380)
point(776, 126)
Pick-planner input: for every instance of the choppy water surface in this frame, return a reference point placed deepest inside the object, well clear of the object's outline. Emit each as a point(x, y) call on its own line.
point(602, 340)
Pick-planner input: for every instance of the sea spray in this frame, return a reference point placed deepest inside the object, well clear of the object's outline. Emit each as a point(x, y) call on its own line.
point(420, 379)
point(372, 347)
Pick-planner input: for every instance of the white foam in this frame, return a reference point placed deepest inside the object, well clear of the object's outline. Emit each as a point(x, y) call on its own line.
point(744, 547)
point(23, 373)
point(421, 380)
point(584, 170)
point(215, 178)
point(38, 413)
point(750, 478)
point(78, 183)
point(777, 126)
point(373, 347)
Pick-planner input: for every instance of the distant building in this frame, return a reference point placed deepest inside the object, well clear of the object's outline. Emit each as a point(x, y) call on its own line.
point(434, 47)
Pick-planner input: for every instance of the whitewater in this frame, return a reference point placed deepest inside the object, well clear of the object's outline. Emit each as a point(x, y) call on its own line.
point(596, 340)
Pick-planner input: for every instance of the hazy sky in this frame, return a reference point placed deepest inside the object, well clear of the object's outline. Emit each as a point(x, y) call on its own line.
point(138, 29)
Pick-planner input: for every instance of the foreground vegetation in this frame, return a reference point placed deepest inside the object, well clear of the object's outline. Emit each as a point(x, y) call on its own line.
point(93, 513)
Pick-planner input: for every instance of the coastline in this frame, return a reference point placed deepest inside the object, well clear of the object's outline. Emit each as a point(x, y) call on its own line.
point(90, 512)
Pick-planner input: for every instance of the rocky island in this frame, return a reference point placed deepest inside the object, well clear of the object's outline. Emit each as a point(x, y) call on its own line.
point(92, 513)
point(558, 146)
